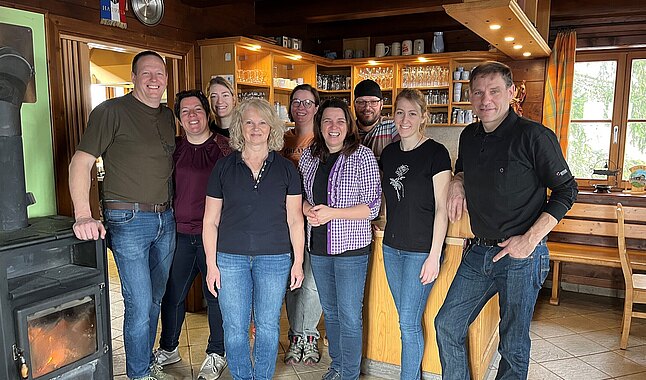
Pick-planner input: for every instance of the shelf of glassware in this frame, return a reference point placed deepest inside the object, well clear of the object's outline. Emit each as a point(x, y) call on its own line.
point(334, 81)
point(383, 74)
point(288, 71)
point(252, 68)
point(425, 76)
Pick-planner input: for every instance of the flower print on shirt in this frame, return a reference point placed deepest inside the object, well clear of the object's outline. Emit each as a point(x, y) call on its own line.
point(396, 183)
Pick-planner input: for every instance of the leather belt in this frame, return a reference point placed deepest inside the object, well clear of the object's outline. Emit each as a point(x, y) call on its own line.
point(485, 242)
point(135, 206)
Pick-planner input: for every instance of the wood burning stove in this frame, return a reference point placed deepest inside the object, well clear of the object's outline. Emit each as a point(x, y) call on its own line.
point(54, 308)
point(54, 319)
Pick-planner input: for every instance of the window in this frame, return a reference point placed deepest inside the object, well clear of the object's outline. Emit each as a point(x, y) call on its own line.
point(608, 117)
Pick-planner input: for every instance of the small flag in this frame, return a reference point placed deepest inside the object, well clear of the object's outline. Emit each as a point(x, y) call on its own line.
point(113, 13)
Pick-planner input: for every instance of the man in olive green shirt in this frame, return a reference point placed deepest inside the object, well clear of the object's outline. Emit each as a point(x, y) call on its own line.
point(135, 135)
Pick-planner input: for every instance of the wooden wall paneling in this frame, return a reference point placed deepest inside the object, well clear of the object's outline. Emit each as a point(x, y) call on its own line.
point(178, 20)
point(60, 144)
point(172, 87)
point(213, 63)
point(75, 62)
point(533, 73)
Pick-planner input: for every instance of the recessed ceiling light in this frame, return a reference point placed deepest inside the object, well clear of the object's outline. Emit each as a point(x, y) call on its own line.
point(494, 26)
point(371, 62)
point(527, 54)
point(295, 57)
point(509, 38)
point(518, 47)
point(422, 59)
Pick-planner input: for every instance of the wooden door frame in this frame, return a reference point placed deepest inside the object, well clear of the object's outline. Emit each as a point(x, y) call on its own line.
point(57, 27)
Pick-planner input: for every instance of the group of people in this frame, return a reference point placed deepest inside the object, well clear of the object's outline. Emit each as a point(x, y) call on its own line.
point(267, 215)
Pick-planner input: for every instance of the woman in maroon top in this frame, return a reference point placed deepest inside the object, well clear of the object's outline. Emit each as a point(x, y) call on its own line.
point(195, 155)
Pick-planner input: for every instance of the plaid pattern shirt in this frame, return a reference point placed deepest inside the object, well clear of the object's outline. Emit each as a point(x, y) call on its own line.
point(353, 180)
point(379, 136)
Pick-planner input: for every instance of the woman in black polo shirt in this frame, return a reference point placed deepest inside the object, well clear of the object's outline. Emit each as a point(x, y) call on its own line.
point(416, 175)
point(252, 219)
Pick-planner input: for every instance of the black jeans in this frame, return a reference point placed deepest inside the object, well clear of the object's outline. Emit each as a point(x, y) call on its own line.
point(189, 260)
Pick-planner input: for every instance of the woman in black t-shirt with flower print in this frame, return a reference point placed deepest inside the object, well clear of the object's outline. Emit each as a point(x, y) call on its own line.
point(416, 175)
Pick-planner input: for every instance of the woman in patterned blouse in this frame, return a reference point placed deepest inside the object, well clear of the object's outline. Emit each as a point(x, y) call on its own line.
point(341, 195)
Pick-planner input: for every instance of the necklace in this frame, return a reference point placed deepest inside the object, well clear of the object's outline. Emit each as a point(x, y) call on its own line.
point(401, 146)
point(256, 169)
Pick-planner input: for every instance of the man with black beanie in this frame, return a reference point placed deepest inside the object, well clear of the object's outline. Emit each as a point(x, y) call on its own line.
point(375, 132)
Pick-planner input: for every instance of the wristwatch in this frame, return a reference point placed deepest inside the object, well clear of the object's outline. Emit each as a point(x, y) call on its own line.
point(149, 12)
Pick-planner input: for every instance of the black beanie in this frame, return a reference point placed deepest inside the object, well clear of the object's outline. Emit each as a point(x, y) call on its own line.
point(367, 87)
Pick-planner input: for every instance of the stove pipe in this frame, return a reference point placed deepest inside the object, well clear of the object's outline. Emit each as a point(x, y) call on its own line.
point(15, 74)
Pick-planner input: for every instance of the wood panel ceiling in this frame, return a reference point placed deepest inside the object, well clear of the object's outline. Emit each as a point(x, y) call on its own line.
point(319, 23)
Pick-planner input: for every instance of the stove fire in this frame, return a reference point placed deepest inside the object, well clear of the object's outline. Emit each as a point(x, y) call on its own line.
point(61, 337)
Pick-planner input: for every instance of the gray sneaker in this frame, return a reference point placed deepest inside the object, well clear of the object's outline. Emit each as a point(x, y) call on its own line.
point(212, 367)
point(294, 353)
point(311, 354)
point(331, 374)
point(163, 357)
point(157, 373)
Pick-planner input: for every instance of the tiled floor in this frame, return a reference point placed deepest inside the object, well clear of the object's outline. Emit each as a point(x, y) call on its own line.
point(577, 340)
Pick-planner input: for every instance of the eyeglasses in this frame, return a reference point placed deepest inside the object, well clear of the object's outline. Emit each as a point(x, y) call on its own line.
point(363, 103)
point(307, 103)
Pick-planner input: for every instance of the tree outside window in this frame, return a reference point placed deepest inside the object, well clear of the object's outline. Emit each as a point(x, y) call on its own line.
point(608, 116)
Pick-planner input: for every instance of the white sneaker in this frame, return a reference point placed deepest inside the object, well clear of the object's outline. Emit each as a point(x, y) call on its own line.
point(212, 367)
point(157, 373)
point(163, 357)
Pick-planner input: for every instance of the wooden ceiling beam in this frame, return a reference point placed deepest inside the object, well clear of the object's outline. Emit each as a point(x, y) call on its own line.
point(271, 13)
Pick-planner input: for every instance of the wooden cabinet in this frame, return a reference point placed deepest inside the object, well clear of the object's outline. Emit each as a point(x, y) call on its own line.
point(381, 334)
point(334, 81)
point(269, 71)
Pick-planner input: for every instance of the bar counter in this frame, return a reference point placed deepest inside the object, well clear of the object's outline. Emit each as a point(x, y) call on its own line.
point(382, 341)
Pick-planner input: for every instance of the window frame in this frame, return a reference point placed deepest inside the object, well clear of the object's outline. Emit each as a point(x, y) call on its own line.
point(619, 118)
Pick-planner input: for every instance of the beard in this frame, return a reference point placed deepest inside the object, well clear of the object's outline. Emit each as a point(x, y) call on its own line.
point(366, 120)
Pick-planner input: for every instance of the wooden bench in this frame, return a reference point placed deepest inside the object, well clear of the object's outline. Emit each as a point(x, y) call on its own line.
point(588, 235)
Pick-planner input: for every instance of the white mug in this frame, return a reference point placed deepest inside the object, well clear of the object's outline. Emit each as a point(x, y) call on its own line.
point(381, 50)
point(396, 49)
point(407, 47)
point(419, 47)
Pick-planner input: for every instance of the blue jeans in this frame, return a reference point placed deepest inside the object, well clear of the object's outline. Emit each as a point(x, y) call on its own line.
point(142, 244)
point(517, 282)
point(402, 271)
point(341, 282)
point(248, 282)
point(189, 260)
point(303, 305)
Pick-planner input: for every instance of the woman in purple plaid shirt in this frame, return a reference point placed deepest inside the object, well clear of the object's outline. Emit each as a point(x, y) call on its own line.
point(342, 194)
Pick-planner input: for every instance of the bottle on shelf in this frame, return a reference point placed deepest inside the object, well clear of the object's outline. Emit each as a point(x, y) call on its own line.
point(438, 42)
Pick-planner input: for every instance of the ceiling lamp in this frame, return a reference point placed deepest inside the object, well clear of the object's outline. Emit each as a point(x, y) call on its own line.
point(480, 16)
